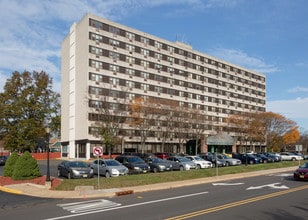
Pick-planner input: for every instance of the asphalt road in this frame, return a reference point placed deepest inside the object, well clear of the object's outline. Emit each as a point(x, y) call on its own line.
point(265, 197)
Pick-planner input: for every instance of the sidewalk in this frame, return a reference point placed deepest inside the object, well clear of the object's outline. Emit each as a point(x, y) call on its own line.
point(89, 192)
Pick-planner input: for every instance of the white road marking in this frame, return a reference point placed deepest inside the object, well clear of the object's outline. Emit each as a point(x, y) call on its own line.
point(87, 206)
point(226, 184)
point(120, 207)
point(281, 174)
point(273, 186)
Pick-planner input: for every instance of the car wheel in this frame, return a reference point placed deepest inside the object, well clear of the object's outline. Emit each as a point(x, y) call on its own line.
point(264, 161)
point(293, 158)
point(107, 175)
point(58, 173)
point(69, 176)
point(154, 170)
point(198, 166)
point(181, 168)
point(227, 164)
point(250, 162)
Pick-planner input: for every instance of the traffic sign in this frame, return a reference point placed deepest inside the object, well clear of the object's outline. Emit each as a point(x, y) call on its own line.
point(98, 151)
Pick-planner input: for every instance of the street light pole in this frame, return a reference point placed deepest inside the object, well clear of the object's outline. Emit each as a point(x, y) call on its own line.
point(48, 167)
point(246, 138)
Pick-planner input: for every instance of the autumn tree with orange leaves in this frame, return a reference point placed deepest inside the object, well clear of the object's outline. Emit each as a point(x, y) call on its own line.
point(266, 127)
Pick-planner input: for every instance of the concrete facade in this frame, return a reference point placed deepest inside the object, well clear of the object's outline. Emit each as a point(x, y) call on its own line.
point(103, 60)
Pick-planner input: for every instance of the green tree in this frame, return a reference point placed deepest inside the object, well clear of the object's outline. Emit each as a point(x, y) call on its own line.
point(26, 167)
point(26, 104)
point(10, 164)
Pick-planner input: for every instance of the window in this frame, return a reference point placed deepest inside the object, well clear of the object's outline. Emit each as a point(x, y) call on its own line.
point(130, 60)
point(114, 81)
point(114, 42)
point(170, 81)
point(157, 66)
point(158, 56)
point(96, 64)
point(145, 40)
point(130, 72)
point(144, 75)
point(114, 68)
point(158, 89)
point(113, 55)
point(170, 59)
point(130, 36)
point(130, 48)
point(97, 38)
point(96, 24)
point(158, 45)
point(145, 52)
point(170, 70)
point(95, 90)
point(130, 96)
point(144, 87)
point(145, 64)
point(130, 84)
point(170, 49)
point(96, 77)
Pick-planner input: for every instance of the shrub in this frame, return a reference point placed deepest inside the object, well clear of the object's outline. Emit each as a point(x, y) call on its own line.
point(26, 167)
point(10, 164)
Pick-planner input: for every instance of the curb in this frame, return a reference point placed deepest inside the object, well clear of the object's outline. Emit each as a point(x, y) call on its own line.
point(8, 190)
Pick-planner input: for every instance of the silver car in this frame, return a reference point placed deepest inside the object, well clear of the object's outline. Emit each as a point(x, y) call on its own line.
point(200, 163)
point(181, 163)
point(229, 160)
point(108, 168)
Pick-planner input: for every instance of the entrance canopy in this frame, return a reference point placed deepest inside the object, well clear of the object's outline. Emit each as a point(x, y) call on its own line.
point(220, 139)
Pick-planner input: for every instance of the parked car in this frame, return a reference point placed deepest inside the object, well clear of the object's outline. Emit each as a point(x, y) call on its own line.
point(290, 156)
point(158, 165)
point(108, 168)
point(229, 161)
point(265, 159)
point(301, 173)
point(275, 156)
point(134, 164)
point(200, 163)
point(181, 163)
point(213, 159)
point(162, 155)
point(74, 169)
point(3, 160)
point(249, 159)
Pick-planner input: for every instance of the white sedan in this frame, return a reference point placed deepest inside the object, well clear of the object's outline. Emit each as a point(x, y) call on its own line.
point(200, 163)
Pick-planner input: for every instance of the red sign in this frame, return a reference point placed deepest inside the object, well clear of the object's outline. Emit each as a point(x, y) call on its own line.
point(98, 151)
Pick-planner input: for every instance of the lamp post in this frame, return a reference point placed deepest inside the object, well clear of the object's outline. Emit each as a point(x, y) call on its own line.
point(246, 138)
point(48, 167)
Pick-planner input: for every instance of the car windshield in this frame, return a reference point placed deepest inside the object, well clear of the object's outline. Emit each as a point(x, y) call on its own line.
point(77, 164)
point(198, 158)
point(112, 163)
point(305, 165)
point(134, 159)
point(157, 160)
point(183, 159)
point(224, 157)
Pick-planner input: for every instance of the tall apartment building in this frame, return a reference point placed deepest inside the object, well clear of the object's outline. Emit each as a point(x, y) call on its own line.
point(103, 61)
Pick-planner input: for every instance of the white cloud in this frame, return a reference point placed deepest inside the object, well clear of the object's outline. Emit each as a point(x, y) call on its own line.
point(292, 109)
point(242, 59)
point(298, 89)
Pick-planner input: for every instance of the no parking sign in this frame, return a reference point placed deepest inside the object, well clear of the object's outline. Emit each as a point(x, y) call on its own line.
point(98, 151)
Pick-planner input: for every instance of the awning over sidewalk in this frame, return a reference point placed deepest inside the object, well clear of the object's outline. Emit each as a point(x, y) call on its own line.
point(220, 139)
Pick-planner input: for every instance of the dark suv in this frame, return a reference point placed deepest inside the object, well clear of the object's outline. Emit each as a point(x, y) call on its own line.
point(134, 164)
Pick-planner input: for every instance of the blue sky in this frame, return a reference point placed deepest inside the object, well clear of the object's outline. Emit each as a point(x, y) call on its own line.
point(269, 36)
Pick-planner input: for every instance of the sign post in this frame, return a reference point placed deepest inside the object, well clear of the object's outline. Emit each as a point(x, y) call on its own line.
point(98, 151)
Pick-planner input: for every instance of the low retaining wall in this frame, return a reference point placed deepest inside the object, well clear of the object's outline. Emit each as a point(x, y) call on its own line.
point(43, 156)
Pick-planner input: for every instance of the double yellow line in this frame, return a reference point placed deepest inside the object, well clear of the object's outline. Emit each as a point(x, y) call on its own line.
point(242, 202)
